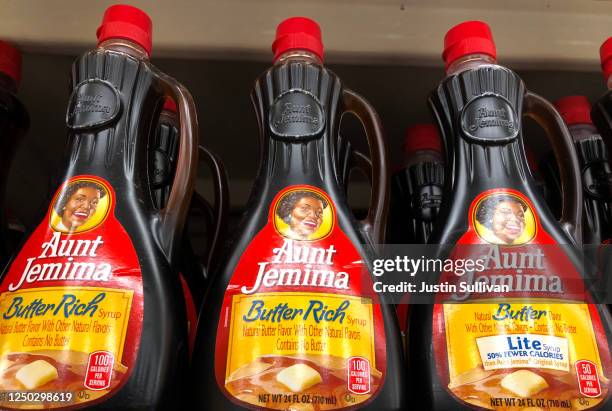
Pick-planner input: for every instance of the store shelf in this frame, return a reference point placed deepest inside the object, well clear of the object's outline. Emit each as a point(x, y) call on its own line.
point(388, 51)
point(529, 33)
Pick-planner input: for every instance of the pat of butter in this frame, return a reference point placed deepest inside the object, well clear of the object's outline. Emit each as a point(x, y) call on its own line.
point(524, 383)
point(299, 377)
point(36, 373)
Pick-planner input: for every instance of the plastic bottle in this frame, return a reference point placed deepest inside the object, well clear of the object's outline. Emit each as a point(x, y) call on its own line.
point(211, 219)
point(163, 155)
point(96, 284)
point(416, 189)
point(595, 167)
point(14, 123)
point(601, 113)
point(500, 340)
point(271, 350)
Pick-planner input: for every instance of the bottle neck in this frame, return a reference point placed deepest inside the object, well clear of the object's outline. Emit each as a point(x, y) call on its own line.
point(484, 149)
point(298, 54)
point(582, 131)
point(295, 159)
point(423, 156)
point(125, 66)
point(125, 46)
point(469, 61)
point(169, 117)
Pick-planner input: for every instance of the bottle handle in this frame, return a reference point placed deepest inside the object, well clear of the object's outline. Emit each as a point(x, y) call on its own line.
point(220, 206)
point(352, 159)
point(374, 223)
point(344, 155)
point(545, 114)
point(361, 162)
point(172, 216)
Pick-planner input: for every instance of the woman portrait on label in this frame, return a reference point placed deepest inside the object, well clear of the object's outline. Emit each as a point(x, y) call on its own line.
point(303, 212)
point(503, 220)
point(77, 204)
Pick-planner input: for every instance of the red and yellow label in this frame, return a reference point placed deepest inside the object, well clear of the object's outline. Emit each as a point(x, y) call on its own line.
point(297, 301)
point(540, 346)
point(70, 304)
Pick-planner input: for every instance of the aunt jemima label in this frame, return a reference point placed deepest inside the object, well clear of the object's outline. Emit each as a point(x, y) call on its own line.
point(540, 346)
point(70, 304)
point(295, 331)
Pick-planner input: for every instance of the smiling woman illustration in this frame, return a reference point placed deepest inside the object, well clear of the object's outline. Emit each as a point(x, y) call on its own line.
point(504, 217)
point(77, 204)
point(303, 211)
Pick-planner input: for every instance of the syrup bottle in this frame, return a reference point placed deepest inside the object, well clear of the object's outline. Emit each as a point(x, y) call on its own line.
point(503, 341)
point(595, 167)
point(416, 196)
point(272, 318)
point(601, 113)
point(163, 155)
point(14, 123)
point(97, 281)
point(416, 189)
point(211, 219)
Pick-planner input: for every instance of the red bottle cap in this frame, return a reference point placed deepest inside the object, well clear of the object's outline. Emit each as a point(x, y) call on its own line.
point(422, 137)
point(10, 61)
point(126, 22)
point(574, 110)
point(605, 52)
point(298, 33)
point(170, 105)
point(469, 37)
